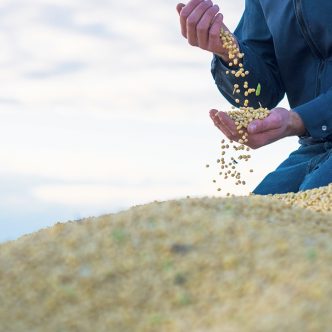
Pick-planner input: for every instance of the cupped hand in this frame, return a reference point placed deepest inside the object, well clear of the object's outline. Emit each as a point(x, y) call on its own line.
point(201, 23)
point(279, 124)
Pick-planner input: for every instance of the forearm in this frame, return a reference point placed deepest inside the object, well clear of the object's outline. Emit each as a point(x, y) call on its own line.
point(260, 72)
point(256, 43)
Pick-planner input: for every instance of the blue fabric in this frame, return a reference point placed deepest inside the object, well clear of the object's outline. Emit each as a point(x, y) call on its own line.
point(288, 49)
point(306, 168)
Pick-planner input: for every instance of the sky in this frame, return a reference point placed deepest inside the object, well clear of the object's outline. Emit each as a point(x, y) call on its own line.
point(104, 105)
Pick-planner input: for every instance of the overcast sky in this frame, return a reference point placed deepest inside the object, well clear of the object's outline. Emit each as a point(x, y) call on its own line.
point(104, 105)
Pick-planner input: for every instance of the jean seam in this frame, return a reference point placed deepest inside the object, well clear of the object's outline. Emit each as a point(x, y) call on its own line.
point(329, 153)
point(310, 166)
point(308, 169)
point(314, 162)
point(328, 150)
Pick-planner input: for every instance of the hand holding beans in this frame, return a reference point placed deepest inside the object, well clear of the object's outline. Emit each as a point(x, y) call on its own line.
point(280, 123)
point(201, 23)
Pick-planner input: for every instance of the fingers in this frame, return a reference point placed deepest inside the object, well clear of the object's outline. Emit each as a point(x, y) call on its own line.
point(218, 122)
point(179, 7)
point(228, 123)
point(184, 14)
point(201, 24)
point(193, 20)
point(213, 113)
point(215, 118)
point(204, 24)
point(214, 33)
point(273, 121)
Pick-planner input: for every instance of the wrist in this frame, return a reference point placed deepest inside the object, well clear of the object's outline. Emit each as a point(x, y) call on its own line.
point(296, 126)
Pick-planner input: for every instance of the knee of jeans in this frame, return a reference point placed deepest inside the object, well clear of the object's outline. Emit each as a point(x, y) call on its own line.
point(267, 187)
point(260, 191)
point(319, 176)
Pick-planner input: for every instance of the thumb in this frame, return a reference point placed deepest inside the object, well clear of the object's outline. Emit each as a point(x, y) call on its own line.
point(273, 121)
point(179, 7)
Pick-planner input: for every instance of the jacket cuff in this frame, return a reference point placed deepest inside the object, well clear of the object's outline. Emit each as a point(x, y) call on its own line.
point(317, 116)
point(223, 81)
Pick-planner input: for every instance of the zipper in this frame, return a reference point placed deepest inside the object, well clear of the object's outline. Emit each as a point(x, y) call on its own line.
point(307, 36)
point(304, 29)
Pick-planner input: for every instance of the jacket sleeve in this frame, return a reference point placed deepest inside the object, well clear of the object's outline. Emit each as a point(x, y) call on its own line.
point(317, 115)
point(256, 43)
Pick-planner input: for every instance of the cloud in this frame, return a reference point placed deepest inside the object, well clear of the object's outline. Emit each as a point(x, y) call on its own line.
point(59, 69)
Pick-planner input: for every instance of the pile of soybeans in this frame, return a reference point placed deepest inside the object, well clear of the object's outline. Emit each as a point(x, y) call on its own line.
point(201, 264)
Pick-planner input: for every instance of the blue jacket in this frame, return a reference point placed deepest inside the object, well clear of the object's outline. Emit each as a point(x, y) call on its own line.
point(288, 49)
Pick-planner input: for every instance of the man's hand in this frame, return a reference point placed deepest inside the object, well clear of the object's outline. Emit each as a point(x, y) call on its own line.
point(280, 123)
point(201, 23)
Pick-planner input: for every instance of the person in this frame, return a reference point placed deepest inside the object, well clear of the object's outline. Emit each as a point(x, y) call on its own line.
point(287, 47)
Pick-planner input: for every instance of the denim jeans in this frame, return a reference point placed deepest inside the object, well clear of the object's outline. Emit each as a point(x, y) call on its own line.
point(306, 168)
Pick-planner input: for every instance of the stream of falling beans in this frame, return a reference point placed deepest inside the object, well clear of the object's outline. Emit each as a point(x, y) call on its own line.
point(242, 115)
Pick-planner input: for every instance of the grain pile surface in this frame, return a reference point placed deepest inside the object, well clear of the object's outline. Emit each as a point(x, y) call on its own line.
point(209, 264)
point(318, 199)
